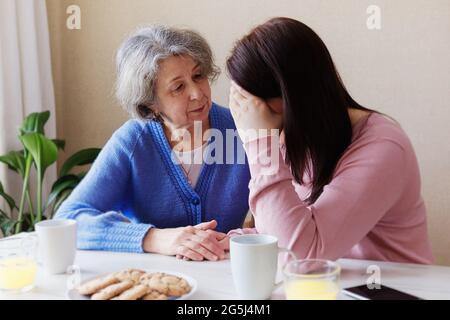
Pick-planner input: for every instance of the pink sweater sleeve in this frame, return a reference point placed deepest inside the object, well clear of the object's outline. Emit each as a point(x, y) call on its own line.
point(238, 232)
point(365, 185)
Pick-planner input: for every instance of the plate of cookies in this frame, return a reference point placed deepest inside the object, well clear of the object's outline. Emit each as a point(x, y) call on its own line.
point(135, 284)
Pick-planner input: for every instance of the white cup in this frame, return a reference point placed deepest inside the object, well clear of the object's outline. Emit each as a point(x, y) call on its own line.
point(254, 260)
point(57, 244)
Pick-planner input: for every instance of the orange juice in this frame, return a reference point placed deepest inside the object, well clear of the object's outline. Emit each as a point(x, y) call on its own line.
point(17, 273)
point(311, 290)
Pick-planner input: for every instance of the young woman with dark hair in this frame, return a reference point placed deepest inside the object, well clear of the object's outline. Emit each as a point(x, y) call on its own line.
point(348, 182)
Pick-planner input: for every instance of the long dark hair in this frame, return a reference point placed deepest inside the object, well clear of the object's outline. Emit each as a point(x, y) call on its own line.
point(285, 58)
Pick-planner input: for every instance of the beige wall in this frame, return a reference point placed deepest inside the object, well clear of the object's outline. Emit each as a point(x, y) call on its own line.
point(402, 69)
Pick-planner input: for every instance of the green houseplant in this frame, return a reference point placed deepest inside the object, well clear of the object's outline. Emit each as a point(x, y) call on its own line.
point(39, 152)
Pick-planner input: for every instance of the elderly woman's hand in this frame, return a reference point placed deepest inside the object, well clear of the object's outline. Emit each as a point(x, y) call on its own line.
point(251, 112)
point(192, 242)
point(222, 239)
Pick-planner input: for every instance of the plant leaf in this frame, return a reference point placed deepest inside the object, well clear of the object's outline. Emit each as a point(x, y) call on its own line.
point(60, 144)
point(43, 150)
point(15, 161)
point(65, 194)
point(8, 198)
point(82, 157)
point(3, 213)
point(27, 223)
point(62, 184)
point(57, 203)
point(81, 175)
point(34, 123)
point(7, 225)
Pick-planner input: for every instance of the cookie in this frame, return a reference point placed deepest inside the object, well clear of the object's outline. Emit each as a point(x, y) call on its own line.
point(166, 284)
point(134, 293)
point(129, 274)
point(148, 276)
point(113, 290)
point(154, 295)
point(169, 279)
point(134, 284)
point(95, 285)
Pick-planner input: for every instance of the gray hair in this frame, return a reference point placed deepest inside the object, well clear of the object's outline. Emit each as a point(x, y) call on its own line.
point(138, 59)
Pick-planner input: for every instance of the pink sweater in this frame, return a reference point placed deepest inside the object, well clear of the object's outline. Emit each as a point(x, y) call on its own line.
point(372, 208)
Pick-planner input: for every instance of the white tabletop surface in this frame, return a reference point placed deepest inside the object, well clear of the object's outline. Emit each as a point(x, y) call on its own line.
point(215, 278)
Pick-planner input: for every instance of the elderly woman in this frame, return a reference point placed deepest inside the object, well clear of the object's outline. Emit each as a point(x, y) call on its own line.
point(144, 193)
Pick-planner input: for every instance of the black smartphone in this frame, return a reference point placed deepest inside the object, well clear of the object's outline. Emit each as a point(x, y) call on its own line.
point(383, 293)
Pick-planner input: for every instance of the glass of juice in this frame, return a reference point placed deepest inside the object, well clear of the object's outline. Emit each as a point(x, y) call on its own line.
point(18, 265)
point(311, 279)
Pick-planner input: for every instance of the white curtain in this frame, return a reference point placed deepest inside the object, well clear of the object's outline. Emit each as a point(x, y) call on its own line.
point(25, 79)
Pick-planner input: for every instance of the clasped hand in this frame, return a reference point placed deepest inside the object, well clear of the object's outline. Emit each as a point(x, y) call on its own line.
point(199, 242)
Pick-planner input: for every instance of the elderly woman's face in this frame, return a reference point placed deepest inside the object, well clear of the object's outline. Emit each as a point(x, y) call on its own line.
point(183, 92)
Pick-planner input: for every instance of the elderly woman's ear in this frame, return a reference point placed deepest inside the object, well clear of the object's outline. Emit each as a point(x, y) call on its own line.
point(147, 112)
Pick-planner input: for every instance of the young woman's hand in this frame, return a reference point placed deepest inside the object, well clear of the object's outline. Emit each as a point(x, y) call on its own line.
point(251, 112)
point(198, 242)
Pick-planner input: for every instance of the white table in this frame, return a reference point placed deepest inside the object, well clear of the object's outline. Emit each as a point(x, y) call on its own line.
point(215, 279)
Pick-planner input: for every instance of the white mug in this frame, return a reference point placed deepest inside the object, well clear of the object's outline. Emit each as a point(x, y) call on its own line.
point(57, 244)
point(254, 259)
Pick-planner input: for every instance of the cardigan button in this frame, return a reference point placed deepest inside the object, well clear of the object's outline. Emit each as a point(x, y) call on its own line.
point(195, 201)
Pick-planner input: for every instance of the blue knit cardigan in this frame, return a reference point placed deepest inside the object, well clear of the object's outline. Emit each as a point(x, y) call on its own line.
point(134, 185)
